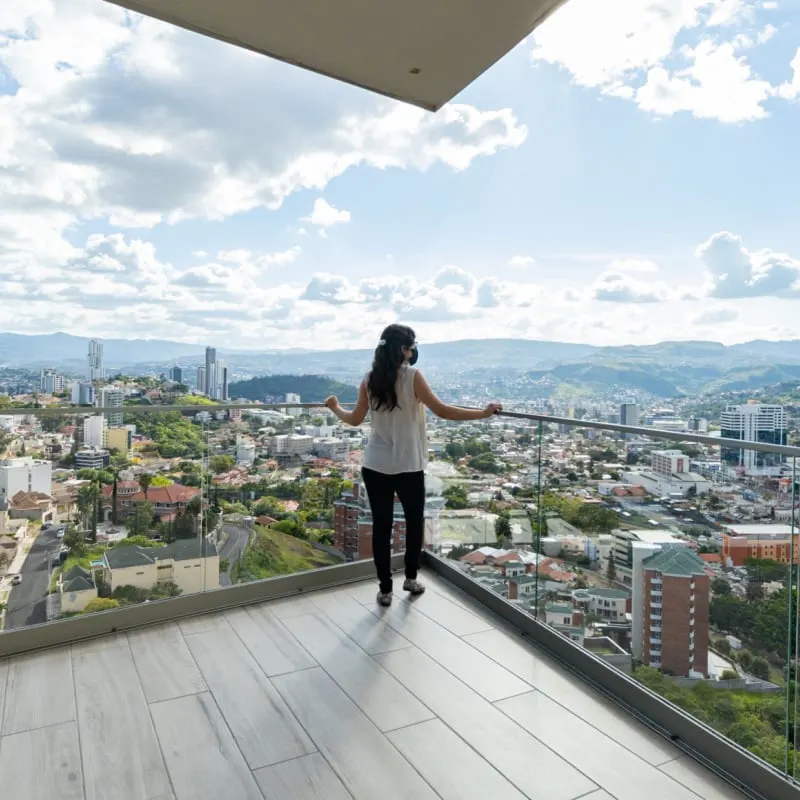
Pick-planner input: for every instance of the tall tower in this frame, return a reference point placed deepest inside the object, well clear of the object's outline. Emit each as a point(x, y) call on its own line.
point(94, 359)
point(210, 382)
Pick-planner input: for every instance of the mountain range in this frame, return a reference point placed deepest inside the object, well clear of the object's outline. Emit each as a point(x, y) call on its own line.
point(665, 369)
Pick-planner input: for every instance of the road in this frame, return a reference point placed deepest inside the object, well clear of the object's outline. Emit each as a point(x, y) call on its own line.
point(232, 549)
point(27, 603)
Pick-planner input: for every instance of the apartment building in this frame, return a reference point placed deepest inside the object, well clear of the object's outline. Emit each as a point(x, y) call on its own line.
point(24, 474)
point(289, 445)
point(610, 605)
point(669, 462)
point(94, 431)
point(50, 382)
point(336, 449)
point(112, 397)
point(675, 612)
point(740, 542)
point(352, 525)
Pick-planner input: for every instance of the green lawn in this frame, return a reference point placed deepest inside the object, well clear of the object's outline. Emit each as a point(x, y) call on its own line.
point(273, 553)
point(92, 554)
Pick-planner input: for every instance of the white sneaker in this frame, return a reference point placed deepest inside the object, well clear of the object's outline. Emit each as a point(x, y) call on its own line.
point(414, 586)
point(384, 598)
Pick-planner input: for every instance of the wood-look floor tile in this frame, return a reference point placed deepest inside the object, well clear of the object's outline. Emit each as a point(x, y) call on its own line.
point(264, 728)
point(487, 730)
point(270, 644)
point(38, 691)
point(366, 762)
point(437, 753)
point(121, 756)
point(305, 778)
point(165, 665)
point(549, 678)
point(377, 693)
point(203, 760)
point(42, 764)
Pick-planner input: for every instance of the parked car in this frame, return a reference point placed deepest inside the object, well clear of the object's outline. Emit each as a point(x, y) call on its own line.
point(16, 580)
point(60, 532)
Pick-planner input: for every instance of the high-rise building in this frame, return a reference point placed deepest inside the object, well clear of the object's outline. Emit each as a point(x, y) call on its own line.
point(629, 414)
point(94, 431)
point(111, 397)
point(675, 612)
point(211, 370)
point(50, 382)
point(753, 422)
point(200, 380)
point(96, 371)
point(82, 393)
point(176, 375)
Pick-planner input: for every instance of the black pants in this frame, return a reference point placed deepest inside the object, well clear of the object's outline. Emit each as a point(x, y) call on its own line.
point(381, 489)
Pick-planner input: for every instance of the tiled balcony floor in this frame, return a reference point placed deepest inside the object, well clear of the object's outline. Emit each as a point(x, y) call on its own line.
point(325, 697)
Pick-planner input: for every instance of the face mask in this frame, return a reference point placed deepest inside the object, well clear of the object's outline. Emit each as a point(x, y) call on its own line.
point(414, 356)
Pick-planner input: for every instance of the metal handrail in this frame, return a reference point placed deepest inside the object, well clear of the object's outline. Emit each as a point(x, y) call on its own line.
point(655, 433)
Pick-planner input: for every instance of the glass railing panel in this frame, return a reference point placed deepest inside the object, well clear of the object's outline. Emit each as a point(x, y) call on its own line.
point(100, 510)
point(672, 560)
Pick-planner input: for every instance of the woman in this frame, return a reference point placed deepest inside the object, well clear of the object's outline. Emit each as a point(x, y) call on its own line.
point(396, 393)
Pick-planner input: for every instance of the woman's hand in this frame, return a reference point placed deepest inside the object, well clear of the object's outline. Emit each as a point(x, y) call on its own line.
point(332, 403)
point(492, 409)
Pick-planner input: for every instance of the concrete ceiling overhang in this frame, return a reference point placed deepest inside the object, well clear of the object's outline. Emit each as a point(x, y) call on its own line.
point(422, 52)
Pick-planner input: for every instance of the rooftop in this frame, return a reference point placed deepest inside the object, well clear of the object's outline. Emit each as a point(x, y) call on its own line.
point(180, 550)
point(676, 561)
point(326, 695)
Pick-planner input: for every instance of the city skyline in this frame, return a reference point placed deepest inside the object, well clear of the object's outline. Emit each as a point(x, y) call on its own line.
point(360, 211)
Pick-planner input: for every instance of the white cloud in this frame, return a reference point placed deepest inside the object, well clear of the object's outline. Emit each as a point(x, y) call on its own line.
point(325, 215)
point(113, 117)
point(716, 316)
point(617, 287)
point(717, 84)
point(520, 261)
point(632, 265)
point(634, 53)
point(736, 272)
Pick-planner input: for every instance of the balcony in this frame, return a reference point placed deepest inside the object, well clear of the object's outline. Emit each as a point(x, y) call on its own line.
point(324, 692)
point(250, 687)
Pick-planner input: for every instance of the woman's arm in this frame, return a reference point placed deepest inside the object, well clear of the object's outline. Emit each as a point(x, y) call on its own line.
point(357, 415)
point(426, 396)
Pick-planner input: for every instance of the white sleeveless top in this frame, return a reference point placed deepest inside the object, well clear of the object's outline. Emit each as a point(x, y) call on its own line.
point(398, 441)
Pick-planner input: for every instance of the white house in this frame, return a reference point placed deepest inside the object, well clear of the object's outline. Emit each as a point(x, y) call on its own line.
point(77, 589)
point(191, 564)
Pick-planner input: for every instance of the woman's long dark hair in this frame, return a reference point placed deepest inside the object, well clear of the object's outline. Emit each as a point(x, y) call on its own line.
point(389, 357)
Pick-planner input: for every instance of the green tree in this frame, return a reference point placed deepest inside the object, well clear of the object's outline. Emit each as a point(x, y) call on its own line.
point(459, 551)
point(611, 571)
point(456, 496)
point(454, 451)
point(160, 480)
point(184, 526)
point(87, 502)
point(220, 464)
point(485, 462)
point(141, 520)
point(145, 480)
point(760, 668)
point(502, 529)
point(268, 507)
point(720, 587)
point(729, 675)
point(73, 540)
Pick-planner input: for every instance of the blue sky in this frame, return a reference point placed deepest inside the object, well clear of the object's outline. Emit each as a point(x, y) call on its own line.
point(627, 174)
